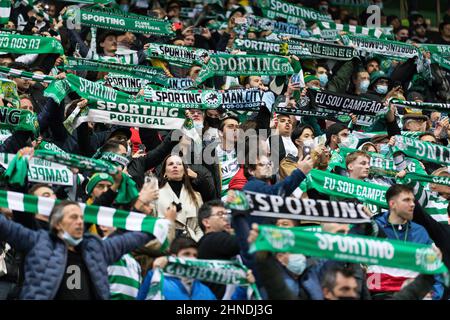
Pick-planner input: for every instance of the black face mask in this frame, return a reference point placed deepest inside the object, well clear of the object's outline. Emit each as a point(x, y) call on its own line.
point(404, 39)
point(212, 122)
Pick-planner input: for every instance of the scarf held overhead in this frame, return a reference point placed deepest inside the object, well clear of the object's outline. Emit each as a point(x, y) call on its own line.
point(356, 249)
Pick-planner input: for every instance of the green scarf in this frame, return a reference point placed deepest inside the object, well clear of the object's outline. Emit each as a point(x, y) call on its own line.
point(431, 106)
point(45, 145)
point(128, 190)
point(344, 188)
point(20, 44)
point(412, 176)
point(293, 13)
point(152, 74)
point(114, 158)
point(356, 249)
point(386, 48)
point(16, 73)
point(39, 170)
point(178, 55)
point(422, 150)
point(439, 54)
point(17, 170)
point(114, 19)
point(19, 120)
point(76, 161)
point(8, 92)
point(223, 64)
point(264, 24)
point(321, 49)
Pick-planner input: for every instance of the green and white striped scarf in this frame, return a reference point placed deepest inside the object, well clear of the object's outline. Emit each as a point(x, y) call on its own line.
point(124, 278)
point(330, 30)
point(104, 216)
point(5, 11)
point(432, 203)
point(16, 73)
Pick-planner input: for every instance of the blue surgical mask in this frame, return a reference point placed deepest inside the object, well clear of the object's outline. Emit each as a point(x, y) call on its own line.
point(323, 79)
point(124, 7)
point(296, 263)
point(384, 148)
point(381, 89)
point(71, 241)
point(364, 85)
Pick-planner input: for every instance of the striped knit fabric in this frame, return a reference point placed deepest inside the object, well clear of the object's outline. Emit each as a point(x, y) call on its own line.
point(359, 30)
point(124, 278)
point(432, 203)
point(5, 11)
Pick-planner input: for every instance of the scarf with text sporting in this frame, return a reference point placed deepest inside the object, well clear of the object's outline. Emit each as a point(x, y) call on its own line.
point(39, 170)
point(264, 24)
point(114, 19)
point(345, 188)
point(178, 55)
point(421, 150)
point(331, 30)
point(240, 99)
point(21, 44)
point(8, 92)
point(112, 106)
point(346, 103)
point(431, 106)
point(271, 206)
point(215, 271)
point(293, 13)
point(76, 161)
point(392, 49)
point(16, 73)
point(103, 216)
point(152, 74)
point(18, 120)
point(223, 64)
point(302, 48)
point(380, 165)
point(439, 54)
point(357, 249)
point(412, 176)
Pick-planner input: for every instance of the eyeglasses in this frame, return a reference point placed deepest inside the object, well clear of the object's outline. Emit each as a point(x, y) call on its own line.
point(265, 164)
point(221, 214)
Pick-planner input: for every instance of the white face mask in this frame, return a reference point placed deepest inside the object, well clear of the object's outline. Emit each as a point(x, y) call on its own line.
point(364, 85)
point(296, 263)
point(71, 241)
point(381, 89)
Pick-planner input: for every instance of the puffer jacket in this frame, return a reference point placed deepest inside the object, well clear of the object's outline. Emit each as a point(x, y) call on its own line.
point(46, 258)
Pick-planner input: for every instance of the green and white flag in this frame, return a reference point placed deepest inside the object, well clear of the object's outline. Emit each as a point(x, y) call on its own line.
point(392, 49)
point(43, 171)
point(104, 216)
point(356, 249)
point(223, 64)
point(293, 13)
point(421, 150)
point(178, 55)
point(21, 44)
point(5, 11)
point(114, 19)
point(345, 188)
